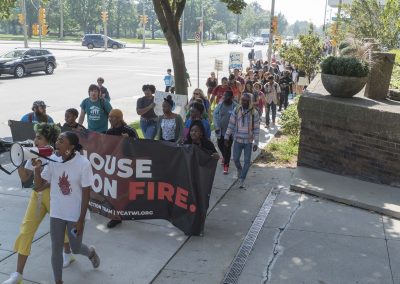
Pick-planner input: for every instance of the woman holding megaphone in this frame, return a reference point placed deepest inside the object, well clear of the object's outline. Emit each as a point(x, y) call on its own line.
point(70, 179)
point(38, 206)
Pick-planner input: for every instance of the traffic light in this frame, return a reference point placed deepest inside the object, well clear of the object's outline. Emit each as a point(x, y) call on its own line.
point(104, 16)
point(42, 16)
point(274, 25)
point(21, 19)
point(35, 29)
point(45, 30)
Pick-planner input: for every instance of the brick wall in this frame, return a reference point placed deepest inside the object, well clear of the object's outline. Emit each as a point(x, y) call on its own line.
point(354, 137)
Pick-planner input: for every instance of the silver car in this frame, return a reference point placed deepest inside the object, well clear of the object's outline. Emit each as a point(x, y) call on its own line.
point(248, 42)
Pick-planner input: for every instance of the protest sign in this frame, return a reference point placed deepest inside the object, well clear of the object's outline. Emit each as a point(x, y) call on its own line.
point(236, 60)
point(180, 102)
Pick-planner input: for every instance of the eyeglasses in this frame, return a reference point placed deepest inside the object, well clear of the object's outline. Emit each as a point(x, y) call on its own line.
point(196, 94)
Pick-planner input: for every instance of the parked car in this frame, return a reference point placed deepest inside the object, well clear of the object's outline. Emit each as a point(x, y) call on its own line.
point(259, 41)
point(97, 40)
point(248, 42)
point(234, 39)
point(21, 61)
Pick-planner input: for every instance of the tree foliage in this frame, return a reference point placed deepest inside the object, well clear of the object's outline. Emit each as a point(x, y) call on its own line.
point(305, 57)
point(370, 19)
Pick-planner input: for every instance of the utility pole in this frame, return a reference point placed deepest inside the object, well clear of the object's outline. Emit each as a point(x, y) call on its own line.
point(24, 28)
point(105, 18)
point(271, 34)
point(237, 24)
point(144, 27)
point(324, 29)
point(338, 19)
point(202, 23)
point(61, 19)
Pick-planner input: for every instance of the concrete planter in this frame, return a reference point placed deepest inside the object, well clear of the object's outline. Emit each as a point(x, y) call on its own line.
point(343, 86)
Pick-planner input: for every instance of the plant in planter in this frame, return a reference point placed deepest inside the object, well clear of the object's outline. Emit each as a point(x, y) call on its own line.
point(344, 76)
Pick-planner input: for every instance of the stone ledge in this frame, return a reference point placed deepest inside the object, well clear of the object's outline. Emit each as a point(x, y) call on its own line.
point(370, 196)
point(379, 118)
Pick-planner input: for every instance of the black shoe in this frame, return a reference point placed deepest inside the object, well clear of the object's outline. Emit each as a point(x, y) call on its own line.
point(113, 223)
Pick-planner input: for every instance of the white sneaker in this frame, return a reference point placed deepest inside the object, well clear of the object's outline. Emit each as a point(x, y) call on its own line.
point(68, 258)
point(15, 278)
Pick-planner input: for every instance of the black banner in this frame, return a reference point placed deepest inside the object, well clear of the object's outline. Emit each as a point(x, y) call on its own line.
point(144, 179)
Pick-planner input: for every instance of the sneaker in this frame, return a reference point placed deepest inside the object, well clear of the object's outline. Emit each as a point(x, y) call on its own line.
point(94, 257)
point(15, 278)
point(226, 169)
point(68, 258)
point(241, 184)
point(113, 223)
point(238, 174)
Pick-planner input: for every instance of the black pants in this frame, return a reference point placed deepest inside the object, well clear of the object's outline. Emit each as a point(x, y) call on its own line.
point(225, 151)
point(167, 88)
point(283, 100)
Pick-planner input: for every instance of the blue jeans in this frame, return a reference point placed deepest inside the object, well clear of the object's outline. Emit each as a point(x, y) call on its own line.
point(148, 128)
point(268, 107)
point(237, 152)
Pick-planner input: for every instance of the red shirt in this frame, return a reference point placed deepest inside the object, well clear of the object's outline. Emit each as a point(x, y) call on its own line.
point(219, 92)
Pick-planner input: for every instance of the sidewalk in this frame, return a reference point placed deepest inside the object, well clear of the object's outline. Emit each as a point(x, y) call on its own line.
point(302, 239)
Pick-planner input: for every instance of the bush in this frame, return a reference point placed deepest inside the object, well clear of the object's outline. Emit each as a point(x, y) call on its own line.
point(395, 81)
point(345, 66)
point(290, 120)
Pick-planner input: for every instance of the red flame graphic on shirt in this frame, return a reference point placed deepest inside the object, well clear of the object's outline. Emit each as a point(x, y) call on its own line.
point(64, 184)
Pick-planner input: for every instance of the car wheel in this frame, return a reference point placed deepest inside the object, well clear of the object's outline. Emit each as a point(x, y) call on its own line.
point(49, 68)
point(114, 46)
point(90, 46)
point(19, 71)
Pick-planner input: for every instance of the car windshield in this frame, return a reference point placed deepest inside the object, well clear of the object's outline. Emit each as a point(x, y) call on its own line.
point(14, 53)
point(248, 39)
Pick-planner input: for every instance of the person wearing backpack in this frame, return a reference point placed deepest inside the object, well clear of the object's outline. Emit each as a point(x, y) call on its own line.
point(272, 91)
point(96, 109)
point(38, 114)
point(244, 125)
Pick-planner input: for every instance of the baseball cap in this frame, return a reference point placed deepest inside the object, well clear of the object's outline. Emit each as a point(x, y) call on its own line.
point(38, 104)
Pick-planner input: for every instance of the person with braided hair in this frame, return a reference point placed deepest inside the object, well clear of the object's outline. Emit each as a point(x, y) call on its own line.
point(38, 206)
point(244, 125)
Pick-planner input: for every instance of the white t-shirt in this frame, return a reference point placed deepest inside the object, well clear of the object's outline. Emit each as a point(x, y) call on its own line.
point(66, 183)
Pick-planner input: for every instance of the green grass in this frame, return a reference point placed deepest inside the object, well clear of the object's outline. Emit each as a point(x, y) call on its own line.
point(395, 81)
point(284, 150)
point(79, 38)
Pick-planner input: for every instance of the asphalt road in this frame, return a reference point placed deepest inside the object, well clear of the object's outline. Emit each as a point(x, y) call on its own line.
point(124, 71)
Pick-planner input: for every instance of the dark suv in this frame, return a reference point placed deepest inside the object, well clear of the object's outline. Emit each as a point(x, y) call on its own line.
point(97, 40)
point(23, 61)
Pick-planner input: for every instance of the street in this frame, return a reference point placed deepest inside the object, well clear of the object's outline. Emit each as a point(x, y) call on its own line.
point(124, 71)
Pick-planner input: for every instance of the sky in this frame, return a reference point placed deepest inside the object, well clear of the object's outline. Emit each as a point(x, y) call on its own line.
point(302, 10)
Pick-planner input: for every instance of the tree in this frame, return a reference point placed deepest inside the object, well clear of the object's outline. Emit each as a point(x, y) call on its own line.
point(307, 56)
point(218, 28)
point(371, 19)
point(169, 13)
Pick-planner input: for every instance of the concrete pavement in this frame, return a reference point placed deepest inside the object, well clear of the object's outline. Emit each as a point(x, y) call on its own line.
point(304, 239)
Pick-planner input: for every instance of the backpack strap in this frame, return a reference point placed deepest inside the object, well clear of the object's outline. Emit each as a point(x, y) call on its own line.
point(30, 117)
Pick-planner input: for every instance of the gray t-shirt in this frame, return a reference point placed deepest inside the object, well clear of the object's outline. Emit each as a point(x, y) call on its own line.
point(144, 102)
point(225, 114)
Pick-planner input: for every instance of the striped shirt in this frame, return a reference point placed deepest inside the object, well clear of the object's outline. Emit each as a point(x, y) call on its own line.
point(244, 125)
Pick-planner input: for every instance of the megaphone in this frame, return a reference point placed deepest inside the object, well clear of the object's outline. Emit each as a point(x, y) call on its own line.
point(20, 154)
